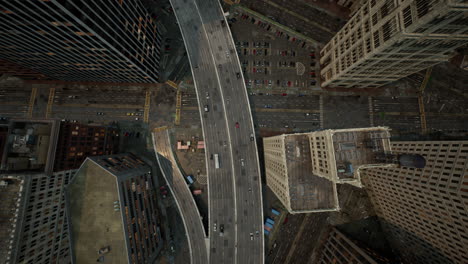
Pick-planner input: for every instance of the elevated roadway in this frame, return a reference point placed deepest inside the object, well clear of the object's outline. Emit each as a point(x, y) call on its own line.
point(235, 200)
point(183, 197)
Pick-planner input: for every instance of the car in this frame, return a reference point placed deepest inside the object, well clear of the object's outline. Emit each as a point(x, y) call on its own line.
point(251, 236)
point(237, 125)
point(207, 95)
point(221, 230)
point(238, 75)
point(215, 227)
point(100, 113)
point(257, 233)
point(307, 114)
point(206, 108)
point(252, 138)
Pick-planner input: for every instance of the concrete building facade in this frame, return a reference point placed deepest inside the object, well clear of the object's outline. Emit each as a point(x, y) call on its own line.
point(38, 230)
point(386, 40)
point(77, 40)
point(303, 169)
point(425, 211)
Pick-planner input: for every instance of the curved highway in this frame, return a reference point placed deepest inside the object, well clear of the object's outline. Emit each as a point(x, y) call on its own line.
point(188, 209)
point(235, 201)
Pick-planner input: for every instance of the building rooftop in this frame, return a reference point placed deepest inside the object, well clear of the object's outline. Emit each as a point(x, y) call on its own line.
point(94, 222)
point(307, 191)
point(30, 145)
point(356, 148)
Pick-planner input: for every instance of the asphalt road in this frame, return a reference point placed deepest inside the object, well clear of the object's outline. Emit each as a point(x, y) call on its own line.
point(183, 197)
point(234, 188)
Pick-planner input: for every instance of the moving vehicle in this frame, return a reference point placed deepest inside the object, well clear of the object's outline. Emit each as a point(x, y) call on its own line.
point(216, 157)
point(221, 230)
point(237, 125)
point(104, 250)
point(190, 179)
point(215, 227)
point(206, 108)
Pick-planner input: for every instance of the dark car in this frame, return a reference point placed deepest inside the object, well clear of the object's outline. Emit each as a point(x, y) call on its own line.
point(238, 75)
point(237, 124)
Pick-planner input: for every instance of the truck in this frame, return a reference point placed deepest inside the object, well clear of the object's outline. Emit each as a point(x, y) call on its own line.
point(190, 179)
point(269, 220)
point(216, 157)
point(268, 225)
point(275, 212)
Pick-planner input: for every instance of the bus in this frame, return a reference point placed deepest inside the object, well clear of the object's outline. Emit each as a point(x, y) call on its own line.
point(216, 157)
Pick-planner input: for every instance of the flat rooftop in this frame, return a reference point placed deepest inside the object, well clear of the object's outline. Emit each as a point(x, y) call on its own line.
point(307, 191)
point(9, 196)
point(94, 223)
point(357, 148)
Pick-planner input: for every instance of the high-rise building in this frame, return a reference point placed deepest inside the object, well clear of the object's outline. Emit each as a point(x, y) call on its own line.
point(30, 145)
point(112, 208)
point(77, 40)
point(339, 155)
point(303, 169)
point(34, 227)
point(386, 40)
point(78, 141)
point(425, 211)
point(338, 248)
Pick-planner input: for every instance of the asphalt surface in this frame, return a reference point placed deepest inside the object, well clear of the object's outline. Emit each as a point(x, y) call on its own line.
point(234, 188)
point(183, 197)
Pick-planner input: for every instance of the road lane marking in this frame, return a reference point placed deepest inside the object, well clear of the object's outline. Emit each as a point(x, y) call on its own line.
point(172, 84)
point(147, 106)
point(178, 107)
point(50, 102)
point(32, 99)
point(118, 106)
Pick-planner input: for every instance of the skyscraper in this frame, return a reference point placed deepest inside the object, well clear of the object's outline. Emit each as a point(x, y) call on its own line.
point(112, 205)
point(425, 210)
point(35, 229)
point(76, 40)
point(386, 40)
point(78, 141)
point(303, 169)
point(338, 248)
